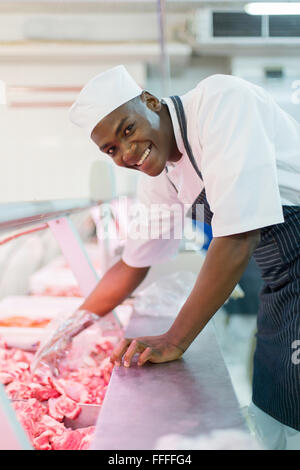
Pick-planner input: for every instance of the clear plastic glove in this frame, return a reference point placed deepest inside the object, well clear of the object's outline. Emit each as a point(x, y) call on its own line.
point(56, 346)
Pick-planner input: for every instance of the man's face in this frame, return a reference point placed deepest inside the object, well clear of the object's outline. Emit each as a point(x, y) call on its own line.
point(137, 135)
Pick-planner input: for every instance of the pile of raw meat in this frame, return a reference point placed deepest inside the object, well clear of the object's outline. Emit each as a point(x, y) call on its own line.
point(62, 291)
point(24, 322)
point(42, 402)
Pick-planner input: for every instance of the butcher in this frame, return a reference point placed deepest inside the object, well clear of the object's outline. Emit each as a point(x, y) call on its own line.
point(226, 147)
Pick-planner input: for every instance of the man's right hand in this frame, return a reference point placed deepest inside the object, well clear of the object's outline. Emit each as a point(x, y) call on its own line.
point(55, 347)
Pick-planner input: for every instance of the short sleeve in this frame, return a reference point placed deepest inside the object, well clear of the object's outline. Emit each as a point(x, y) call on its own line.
point(154, 233)
point(238, 160)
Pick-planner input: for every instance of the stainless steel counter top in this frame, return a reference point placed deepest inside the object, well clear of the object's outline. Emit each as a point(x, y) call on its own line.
point(191, 396)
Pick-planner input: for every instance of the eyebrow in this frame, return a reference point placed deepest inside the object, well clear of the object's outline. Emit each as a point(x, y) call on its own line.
point(121, 123)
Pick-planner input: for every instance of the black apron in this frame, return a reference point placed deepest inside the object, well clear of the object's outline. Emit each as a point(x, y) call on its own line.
point(276, 379)
point(276, 375)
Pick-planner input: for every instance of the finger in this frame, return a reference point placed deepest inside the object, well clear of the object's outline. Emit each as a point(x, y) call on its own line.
point(133, 348)
point(57, 362)
point(40, 354)
point(145, 356)
point(118, 352)
point(55, 370)
point(36, 362)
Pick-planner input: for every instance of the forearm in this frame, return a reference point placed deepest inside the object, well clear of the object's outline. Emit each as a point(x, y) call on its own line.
point(226, 260)
point(115, 286)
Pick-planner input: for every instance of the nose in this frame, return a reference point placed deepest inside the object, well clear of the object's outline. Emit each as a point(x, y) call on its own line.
point(129, 153)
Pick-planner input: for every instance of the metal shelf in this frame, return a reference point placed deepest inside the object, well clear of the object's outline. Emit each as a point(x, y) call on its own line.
point(17, 215)
point(189, 397)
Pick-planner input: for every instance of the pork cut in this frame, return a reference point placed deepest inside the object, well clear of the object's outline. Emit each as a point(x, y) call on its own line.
point(42, 401)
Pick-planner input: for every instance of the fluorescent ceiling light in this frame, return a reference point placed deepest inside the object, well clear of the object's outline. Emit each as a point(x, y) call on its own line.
point(273, 8)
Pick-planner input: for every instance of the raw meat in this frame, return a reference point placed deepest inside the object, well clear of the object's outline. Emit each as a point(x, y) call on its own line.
point(62, 291)
point(42, 402)
point(63, 406)
point(78, 439)
point(19, 321)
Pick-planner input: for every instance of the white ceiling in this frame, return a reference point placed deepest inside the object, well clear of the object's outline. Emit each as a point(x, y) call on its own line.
point(73, 6)
point(34, 23)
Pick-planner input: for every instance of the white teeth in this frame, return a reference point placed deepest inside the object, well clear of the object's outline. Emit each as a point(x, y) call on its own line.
point(144, 156)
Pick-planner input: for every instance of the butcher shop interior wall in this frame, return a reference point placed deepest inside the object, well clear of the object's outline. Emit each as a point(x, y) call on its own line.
point(47, 53)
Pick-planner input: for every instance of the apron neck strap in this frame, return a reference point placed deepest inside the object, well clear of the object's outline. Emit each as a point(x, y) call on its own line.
point(183, 129)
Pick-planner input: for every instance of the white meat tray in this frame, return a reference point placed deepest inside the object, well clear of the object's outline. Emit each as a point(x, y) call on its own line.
point(32, 307)
point(42, 307)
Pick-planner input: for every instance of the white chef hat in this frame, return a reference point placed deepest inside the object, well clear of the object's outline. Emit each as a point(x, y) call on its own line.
point(102, 95)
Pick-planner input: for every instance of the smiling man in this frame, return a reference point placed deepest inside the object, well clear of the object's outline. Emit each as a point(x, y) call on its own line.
point(228, 146)
point(138, 135)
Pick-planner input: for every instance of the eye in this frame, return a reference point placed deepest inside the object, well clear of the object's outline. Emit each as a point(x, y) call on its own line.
point(111, 150)
point(128, 129)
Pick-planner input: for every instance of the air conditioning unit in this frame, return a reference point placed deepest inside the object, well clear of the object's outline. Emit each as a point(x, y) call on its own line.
point(216, 26)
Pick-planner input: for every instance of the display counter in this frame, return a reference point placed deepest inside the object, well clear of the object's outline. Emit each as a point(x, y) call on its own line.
point(189, 397)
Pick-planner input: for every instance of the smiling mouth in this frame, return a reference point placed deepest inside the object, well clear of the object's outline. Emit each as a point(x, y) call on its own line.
point(144, 156)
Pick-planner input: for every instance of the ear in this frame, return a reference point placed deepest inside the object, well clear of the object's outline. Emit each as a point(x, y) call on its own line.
point(151, 101)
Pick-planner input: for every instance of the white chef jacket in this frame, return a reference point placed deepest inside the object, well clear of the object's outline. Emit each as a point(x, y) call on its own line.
point(248, 151)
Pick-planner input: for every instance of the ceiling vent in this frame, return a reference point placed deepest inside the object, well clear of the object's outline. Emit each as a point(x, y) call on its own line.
point(213, 25)
point(235, 24)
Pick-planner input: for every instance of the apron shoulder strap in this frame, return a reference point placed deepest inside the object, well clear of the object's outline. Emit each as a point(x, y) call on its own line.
point(201, 199)
point(183, 128)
